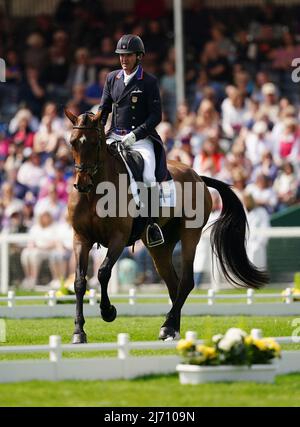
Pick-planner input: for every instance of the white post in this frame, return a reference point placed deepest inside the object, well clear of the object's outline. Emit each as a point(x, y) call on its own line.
point(179, 62)
point(256, 334)
point(55, 352)
point(250, 294)
point(11, 299)
point(191, 336)
point(211, 296)
point(288, 296)
point(132, 295)
point(92, 297)
point(123, 344)
point(52, 298)
point(4, 266)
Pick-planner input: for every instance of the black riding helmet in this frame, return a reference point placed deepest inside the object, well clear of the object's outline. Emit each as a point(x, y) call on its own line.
point(129, 43)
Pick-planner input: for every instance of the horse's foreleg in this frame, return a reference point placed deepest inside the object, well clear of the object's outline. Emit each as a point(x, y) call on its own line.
point(81, 255)
point(108, 311)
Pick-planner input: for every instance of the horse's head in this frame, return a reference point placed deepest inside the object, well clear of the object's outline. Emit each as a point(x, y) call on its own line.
point(86, 138)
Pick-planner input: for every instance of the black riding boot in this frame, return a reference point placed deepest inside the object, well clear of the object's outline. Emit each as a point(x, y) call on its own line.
point(154, 235)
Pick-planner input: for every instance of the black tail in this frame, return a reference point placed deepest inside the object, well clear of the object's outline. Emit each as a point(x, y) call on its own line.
point(228, 236)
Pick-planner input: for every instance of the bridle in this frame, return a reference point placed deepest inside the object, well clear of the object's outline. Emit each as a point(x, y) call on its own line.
point(91, 170)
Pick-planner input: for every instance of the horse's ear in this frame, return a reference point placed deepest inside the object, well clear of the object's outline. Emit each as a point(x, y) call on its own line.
point(70, 116)
point(97, 116)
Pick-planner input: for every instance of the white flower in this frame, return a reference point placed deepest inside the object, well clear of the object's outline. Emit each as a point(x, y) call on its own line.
point(217, 338)
point(225, 344)
point(235, 334)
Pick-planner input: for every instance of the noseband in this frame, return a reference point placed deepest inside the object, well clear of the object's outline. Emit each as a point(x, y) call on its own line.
point(89, 169)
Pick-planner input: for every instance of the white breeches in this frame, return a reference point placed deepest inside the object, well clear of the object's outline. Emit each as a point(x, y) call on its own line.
point(146, 149)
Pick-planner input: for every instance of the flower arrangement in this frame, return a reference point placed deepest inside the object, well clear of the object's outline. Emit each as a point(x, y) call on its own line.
point(235, 347)
point(295, 291)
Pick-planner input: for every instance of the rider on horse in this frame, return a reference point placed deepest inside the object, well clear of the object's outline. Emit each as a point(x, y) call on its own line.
point(132, 95)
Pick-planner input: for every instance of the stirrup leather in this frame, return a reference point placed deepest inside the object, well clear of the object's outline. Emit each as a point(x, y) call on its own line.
point(159, 241)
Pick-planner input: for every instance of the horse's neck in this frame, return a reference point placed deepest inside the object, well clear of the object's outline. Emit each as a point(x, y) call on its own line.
point(110, 168)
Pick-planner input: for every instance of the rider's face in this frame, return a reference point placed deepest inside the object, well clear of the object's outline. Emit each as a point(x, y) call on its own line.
point(128, 62)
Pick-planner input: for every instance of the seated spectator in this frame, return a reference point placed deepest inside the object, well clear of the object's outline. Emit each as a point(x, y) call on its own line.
point(286, 186)
point(23, 135)
point(239, 179)
point(234, 114)
point(94, 91)
point(237, 157)
point(269, 107)
point(258, 142)
point(43, 246)
point(216, 65)
point(288, 111)
point(179, 154)
point(23, 114)
point(200, 89)
point(210, 151)
point(168, 90)
point(8, 203)
point(31, 90)
point(287, 146)
point(57, 180)
point(35, 54)
point(13, 67)
point(79, 98)
point(31, 173)
point(106, 58)
point(283, 56)
point(225, 46)
point(257, 217)
point(207, 124)
point(165, 131)
point(81, 73)
point(261, 78)
point(50, 203)
point(50, 112)
point(263, 194)
point(45, 140)
point(267, 167)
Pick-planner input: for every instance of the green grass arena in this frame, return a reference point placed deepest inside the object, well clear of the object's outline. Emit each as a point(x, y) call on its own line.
point(144, 391)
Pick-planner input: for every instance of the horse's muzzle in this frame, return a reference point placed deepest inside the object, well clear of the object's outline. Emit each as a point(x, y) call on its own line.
point(83, 188)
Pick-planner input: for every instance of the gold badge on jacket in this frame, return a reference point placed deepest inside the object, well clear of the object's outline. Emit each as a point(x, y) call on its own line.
point(134, 99)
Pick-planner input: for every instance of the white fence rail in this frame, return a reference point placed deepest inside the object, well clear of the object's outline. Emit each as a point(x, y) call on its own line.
point(133, 305)
point(124, 366)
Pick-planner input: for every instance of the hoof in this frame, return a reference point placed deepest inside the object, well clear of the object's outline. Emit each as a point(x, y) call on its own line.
point(167, 333)
point(79, 338)
point(110, 314)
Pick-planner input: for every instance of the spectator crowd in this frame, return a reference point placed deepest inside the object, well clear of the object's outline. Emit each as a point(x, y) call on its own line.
point(239, 123)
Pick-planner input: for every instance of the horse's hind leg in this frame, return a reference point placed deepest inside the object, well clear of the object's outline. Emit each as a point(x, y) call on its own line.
point(162, 257)
point(189, 241)
point(81, 250)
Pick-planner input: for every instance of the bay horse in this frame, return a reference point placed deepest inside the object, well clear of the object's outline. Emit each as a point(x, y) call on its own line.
point(94, 164)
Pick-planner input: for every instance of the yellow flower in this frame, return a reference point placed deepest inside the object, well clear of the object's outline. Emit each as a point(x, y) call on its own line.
point(208, 352)
point(249, 340)
point(184, 345)
point(260, 344)
point(273, 345)
point(267, 344)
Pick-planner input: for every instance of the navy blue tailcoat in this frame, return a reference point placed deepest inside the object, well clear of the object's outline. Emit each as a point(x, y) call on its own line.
point(136, 108)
